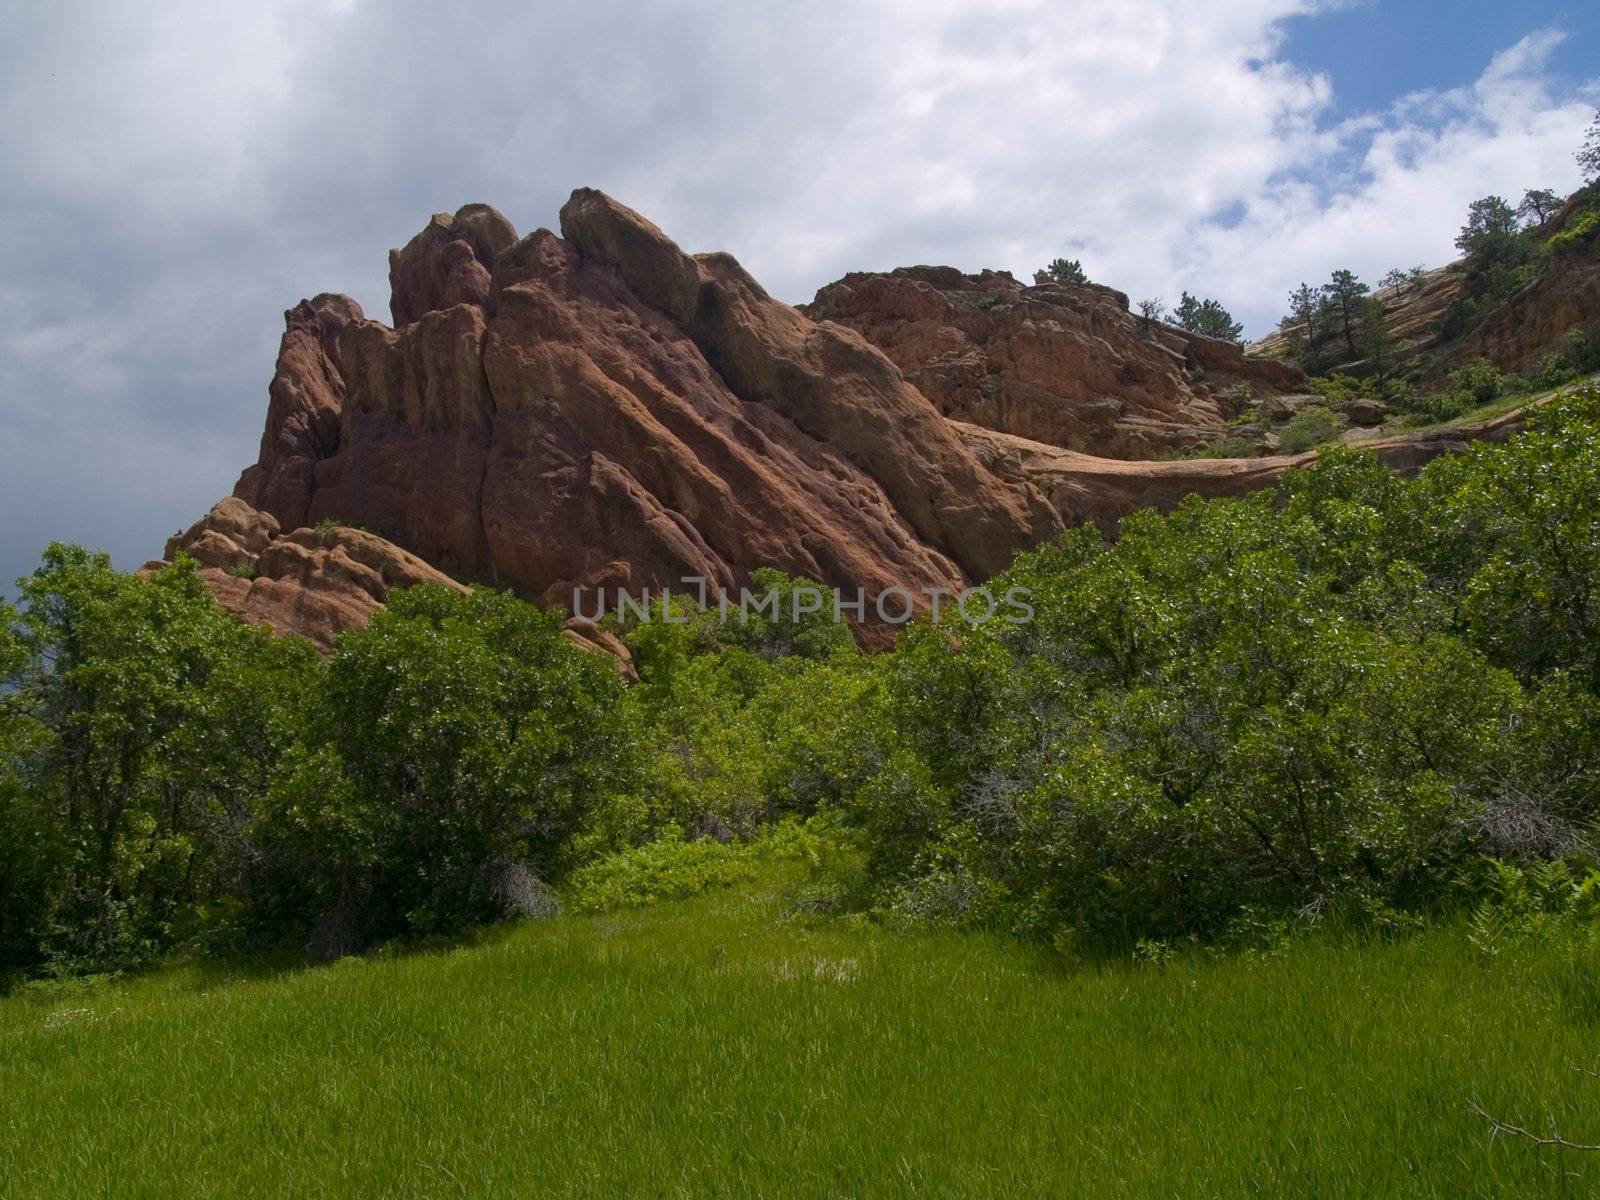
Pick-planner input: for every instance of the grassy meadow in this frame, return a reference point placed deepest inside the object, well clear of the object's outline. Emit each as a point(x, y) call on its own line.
point(723, 1046)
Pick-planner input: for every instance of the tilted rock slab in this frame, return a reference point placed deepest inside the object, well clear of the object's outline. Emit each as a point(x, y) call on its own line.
point(598, 411)
point(1063, 364)
point(601, 411)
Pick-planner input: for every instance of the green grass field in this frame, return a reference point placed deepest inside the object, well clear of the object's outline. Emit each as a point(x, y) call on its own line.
point(717, 1047)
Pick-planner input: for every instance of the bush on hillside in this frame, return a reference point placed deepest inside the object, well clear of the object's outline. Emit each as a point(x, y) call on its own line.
point(1310, 427)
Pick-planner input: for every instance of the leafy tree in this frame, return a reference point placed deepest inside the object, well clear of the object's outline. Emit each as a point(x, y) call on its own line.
point(1207, 317)
point(1304, 327)
point(1490, 242)
point(1062, 270)
point(1589, 155)
point(151, 720)
point(1524, 555)
point(457, 738)
point(1344, 295)
point(1538, 204)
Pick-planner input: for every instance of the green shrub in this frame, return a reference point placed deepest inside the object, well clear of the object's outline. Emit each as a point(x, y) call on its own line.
point(456, 736)
point(1479, 381)
point(666, 869)
point(1582, 351)
point(1235, 445)
point(244, 570)
point(1311, 426)
point(1261, 710)
point(673, 868)
point(1581, 229)
point(1339, 388)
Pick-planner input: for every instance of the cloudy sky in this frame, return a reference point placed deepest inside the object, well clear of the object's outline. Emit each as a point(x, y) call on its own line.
point(174, 175)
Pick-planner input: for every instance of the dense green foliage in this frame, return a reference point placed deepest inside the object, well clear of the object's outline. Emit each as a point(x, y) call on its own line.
point(1311, 426)
point(1252, 708)
point(1207, 317)
point(172, 776)
point(1344, 698)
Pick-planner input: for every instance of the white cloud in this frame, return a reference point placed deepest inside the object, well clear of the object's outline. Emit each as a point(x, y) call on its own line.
point(1411, 174)
point(174, 179)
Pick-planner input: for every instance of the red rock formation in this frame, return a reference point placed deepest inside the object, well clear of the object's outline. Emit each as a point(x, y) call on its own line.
point(608, 411)
point(316, 582)
point(601, 410)
point(1515, 333)
point(1083, 488)
point(1524, 327)
point(1414, 310)
point(1064, 364)
point(313, 582)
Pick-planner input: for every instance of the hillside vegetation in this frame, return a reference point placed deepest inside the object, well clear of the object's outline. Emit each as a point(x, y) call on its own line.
point(1354, 702)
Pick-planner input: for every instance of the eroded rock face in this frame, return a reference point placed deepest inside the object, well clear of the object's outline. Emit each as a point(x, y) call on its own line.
point(1083, 488)
point(448, 263)
point(1414, 310)
point(597, 410)
point(316, 583)
point(602, 410)
point(311, 582)
point(1519, 331)
point(1063, 364)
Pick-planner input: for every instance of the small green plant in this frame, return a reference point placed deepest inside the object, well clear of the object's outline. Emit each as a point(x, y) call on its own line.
point(1062, 270)
point(244, 570)
point(1580, 356)
point(1339, 388)
point(1580, 231)
point(330, 524)
point(667, 869)
point(674, 868)
point(1310, 427)
point(1479, 382)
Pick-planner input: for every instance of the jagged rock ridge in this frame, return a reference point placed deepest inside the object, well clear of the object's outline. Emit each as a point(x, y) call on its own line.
point(599, 410)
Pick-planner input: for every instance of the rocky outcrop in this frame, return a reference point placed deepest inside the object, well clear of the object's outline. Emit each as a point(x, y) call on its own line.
point(1083, 488)
point(315, 582)
point(1515, 333)
point(608, 412)
point(595, 410)
point(1414, 309)
point(1522, 329)
point(1063, 364)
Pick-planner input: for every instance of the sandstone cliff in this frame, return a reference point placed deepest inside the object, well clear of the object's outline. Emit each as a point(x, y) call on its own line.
point(598, 410)
point(601, 410)
point(1064, 364)
point(1515, 333)
point(1414, 310)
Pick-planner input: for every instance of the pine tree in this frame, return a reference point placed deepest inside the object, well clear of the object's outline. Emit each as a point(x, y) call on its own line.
point(1343, 294)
